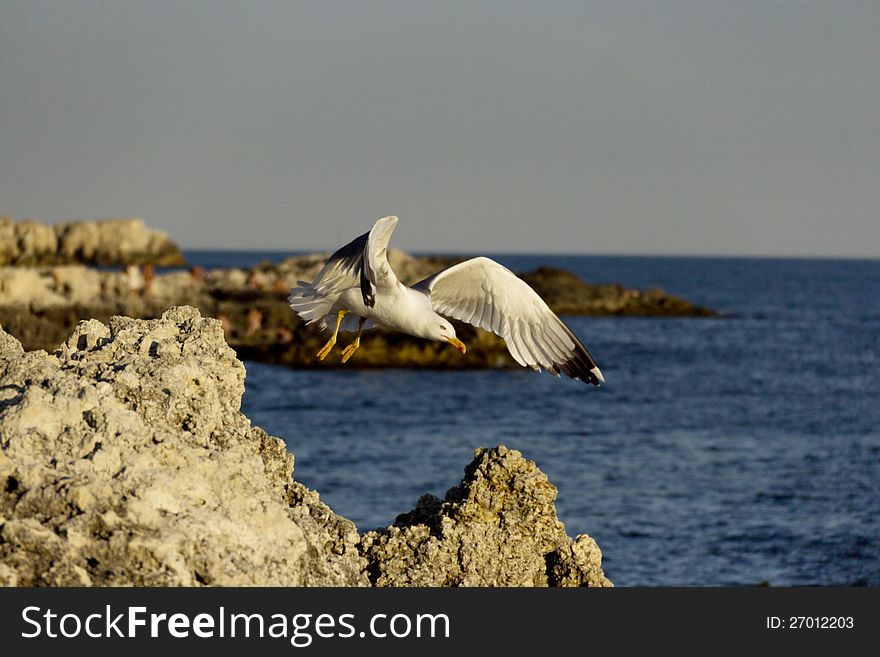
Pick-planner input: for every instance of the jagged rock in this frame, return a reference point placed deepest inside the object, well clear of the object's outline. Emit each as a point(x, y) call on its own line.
point(577, 563)
point(498, 527)
point(125, 460)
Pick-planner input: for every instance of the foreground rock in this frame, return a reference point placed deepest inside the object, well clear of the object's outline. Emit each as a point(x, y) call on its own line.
point(96, 242)
point(125, 460)
point(497, 528)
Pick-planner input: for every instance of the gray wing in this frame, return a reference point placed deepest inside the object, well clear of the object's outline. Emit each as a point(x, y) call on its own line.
point(363, 262)
point(485, 294)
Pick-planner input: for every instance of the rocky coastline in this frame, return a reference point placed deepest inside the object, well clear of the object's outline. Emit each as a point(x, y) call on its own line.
point(95, 242)
point(125, 460)
point(41, 305)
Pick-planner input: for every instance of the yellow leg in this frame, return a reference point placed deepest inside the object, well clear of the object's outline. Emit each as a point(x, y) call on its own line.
point(322, 354)
point(348, 352)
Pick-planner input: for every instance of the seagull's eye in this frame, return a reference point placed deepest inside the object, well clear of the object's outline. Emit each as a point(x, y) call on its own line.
point(442, 328)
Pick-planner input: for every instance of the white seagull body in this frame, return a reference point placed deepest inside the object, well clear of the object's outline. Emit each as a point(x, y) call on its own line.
point(357, 289)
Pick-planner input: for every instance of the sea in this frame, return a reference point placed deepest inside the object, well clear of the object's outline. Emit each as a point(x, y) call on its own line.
point(738, 450)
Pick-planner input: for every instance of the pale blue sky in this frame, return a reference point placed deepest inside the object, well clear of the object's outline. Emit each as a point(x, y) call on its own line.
point(583, 127)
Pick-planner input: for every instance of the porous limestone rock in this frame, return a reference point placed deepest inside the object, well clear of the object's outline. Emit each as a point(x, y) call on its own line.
point(498, 527)
point(125, 460)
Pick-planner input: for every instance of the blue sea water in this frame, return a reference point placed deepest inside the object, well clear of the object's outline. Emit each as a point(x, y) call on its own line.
point(728, 451)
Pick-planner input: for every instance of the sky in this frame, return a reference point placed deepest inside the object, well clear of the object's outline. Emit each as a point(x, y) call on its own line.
point(690, 127)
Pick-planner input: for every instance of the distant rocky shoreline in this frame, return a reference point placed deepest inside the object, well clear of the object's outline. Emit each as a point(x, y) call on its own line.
point(41, 305)
point(33, 243)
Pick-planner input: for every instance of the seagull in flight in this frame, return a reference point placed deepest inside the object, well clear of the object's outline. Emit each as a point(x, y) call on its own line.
point(358, 290)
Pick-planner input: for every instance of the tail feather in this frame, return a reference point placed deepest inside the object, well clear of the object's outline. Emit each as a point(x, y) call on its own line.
point(308, 303)
point(316, 306)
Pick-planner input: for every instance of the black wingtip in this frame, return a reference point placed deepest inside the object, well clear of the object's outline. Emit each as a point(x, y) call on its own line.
point(367, 290)
point(581, 365)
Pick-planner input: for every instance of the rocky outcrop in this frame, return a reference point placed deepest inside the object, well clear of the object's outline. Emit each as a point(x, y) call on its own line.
point(42, 305)
point(125, 460)
point(96, 242)
point(567, 294)
point(498, 527)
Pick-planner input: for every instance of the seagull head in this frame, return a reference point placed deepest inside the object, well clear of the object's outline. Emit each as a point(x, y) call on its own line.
point(446, 332)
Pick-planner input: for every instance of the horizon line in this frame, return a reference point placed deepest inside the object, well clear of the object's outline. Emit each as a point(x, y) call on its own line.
point(562, 254)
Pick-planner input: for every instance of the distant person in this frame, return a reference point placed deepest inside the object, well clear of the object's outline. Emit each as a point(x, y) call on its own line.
point(254, 321)
point(284, 335)
point(225, 324)
point(197, 275)
point(135, 279)
point(149, 275)
point(253, 281)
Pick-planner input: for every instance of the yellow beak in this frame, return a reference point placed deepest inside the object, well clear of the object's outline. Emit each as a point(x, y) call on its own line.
point(458, 344)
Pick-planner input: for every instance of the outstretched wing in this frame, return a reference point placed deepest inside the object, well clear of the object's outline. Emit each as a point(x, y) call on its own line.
point(485, 294)
point(362, 262)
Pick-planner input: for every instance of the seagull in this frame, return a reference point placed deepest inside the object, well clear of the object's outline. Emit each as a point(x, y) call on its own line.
point(358, 290)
